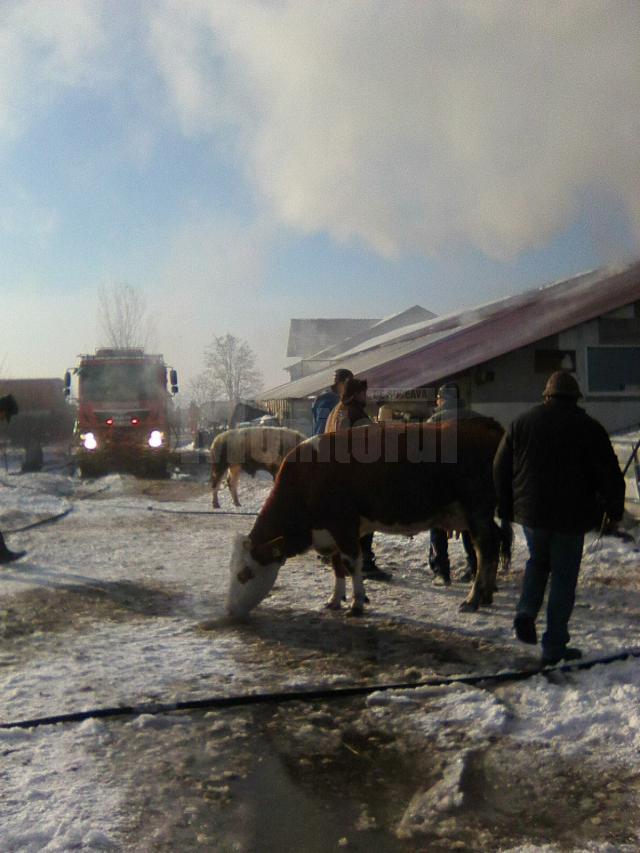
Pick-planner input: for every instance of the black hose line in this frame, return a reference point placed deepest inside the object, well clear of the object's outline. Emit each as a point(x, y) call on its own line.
point(48, 520)
point(324, 693)
point(199, 511)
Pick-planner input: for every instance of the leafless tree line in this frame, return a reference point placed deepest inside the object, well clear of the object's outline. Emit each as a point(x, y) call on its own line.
point(123, 316)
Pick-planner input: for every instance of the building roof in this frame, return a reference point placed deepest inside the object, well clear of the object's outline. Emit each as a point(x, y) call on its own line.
point(428, 352)
point(310, 336)
point(388, 325)
point(35, 394)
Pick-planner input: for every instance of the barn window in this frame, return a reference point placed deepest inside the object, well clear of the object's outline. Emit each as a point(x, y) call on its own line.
point(550, 360)
point(614, 370)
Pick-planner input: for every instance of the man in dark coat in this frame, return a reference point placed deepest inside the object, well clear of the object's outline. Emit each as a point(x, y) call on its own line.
point(450, 407)
point(326, 402)
point(8, 408)
point(557, 475)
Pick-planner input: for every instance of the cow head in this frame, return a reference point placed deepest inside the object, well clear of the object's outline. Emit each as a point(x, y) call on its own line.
point(254, 569)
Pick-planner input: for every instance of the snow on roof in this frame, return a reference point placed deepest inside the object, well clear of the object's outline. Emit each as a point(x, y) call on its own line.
point(444, 346)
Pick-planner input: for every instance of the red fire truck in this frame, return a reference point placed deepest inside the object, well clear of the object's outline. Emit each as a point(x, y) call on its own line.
point(123, 412)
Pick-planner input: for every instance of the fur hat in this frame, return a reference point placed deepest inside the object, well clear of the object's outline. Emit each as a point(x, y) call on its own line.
point(562, 384)
point(341, 375)
point(352, 387)
point(448, 391)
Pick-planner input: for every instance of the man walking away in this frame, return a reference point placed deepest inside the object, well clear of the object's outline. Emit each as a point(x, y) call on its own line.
point(326, 402)
point(450, 407)
point(556, 474)
point(8, 408)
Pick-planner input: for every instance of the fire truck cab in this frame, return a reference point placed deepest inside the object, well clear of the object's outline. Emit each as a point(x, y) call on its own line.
point(123, 412)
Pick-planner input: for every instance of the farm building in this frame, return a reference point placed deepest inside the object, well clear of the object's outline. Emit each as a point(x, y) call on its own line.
point(499, 353)
point(44, 416)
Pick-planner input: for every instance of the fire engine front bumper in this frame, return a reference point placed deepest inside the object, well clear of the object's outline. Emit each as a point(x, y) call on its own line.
point(128, 458)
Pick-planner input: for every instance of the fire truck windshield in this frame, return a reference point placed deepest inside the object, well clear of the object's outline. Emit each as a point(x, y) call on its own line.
point(133, 382)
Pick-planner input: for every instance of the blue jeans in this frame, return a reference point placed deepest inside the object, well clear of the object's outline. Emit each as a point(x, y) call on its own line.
point(558, 555)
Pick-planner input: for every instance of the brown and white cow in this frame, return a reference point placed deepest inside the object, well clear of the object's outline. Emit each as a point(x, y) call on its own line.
point(251, 449)
point(336, 487)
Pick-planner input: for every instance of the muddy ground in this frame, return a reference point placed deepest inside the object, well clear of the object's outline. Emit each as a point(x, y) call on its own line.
point(320, 775)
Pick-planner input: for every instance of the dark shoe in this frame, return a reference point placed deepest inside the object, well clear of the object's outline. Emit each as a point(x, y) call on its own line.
point(570, 653)
point(8, 556)
point(373, 573)
point(525, 627)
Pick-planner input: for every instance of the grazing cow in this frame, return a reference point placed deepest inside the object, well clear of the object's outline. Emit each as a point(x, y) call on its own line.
point(336, 487)
point(251, 449)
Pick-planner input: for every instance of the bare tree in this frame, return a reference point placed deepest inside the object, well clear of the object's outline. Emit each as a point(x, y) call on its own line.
point(203, 389)
point(231, 365)
point(123, 316)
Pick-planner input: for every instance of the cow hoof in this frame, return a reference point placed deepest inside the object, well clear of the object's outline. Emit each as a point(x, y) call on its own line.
point(356, 610)
point(332, 605)
point(468, 607)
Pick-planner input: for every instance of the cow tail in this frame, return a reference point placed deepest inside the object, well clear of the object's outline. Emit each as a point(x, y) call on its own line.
point(506, 544)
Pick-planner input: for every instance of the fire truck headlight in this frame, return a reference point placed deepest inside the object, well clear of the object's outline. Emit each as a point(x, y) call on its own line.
point(89, 441)
point(156, 439)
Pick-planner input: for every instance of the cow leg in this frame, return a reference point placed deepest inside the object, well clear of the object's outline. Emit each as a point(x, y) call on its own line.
point(351, 558)
point(232, 482)
point(340, 585)
point(216, 479)
point(359, 595)
point(486, 539)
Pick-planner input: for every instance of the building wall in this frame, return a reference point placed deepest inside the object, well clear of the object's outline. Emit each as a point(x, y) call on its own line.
point(507, 386)
point(292, 413)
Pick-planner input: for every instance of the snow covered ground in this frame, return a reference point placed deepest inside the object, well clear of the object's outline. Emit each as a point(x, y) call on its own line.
point(122, 602)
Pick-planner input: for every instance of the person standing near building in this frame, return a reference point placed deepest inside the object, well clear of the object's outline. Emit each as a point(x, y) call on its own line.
point(557, 475)
point(349, 414)
point(326, 402)
point(449, 407)
point(8, 408)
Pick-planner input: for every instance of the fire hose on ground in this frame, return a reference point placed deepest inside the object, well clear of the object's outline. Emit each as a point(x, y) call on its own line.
point(322, 693)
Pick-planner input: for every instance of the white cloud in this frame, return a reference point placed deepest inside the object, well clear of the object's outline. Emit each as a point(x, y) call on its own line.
point(212, 282)
point(410, 126)
point(413, 125)
point(46, 46)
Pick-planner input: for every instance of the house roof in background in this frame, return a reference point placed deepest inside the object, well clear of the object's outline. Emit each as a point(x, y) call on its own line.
point(388, 325)
point(35, 394)
point(442, 347)
point(309, 336)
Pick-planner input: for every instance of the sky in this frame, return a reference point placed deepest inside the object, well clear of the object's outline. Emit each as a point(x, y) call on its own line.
point(243, 162)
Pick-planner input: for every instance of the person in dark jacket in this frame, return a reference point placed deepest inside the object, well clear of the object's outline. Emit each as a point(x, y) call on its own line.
point(449, 407)
point(557, 475)
point(348, 414)
point(326, 402)
point(8, 408)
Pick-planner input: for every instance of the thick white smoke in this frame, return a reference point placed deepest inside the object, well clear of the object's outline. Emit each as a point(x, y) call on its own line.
point(415, 125)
